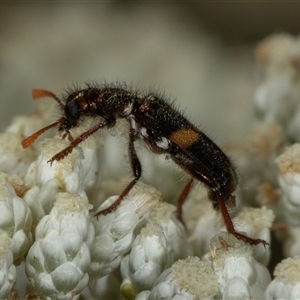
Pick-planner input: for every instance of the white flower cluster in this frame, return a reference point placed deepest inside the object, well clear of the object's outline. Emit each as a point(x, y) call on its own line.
point(240, 276)
point(141, 250)
point(269, 159)
point(286, 284)
point(277, 98)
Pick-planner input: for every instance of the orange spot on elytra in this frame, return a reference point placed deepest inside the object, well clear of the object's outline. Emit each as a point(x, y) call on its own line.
point(184, 137)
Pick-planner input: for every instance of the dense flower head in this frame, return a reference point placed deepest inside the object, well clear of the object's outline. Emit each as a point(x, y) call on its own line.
point(140, 248)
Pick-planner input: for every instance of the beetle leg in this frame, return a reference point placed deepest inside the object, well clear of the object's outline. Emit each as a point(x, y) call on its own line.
point(137, 171)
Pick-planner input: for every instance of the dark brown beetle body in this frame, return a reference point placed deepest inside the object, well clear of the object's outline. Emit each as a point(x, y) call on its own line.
point(163, 129)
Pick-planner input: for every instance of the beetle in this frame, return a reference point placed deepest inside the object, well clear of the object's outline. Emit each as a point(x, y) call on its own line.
point(162, 128)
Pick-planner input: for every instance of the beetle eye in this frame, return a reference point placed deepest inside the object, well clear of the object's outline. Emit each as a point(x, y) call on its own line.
point(72, 110)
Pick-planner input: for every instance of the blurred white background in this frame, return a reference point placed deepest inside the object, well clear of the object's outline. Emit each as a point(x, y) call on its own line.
point(198, 53)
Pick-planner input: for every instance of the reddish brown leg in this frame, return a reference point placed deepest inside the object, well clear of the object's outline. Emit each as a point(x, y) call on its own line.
point(60, 155)
point(182, 199)
point(230, 228)
point(114, 206)
point(137, 171)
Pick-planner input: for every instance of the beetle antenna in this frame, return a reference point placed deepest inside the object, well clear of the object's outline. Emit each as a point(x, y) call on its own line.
point(37, 93)
point(29, 140)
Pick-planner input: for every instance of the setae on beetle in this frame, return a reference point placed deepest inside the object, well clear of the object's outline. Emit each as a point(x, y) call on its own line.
point(162, 128)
